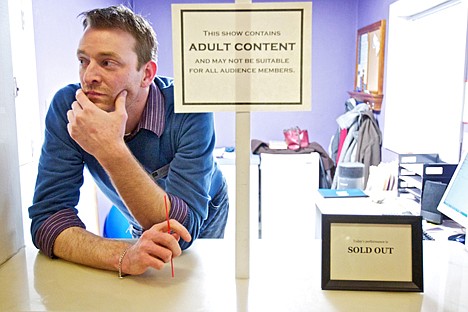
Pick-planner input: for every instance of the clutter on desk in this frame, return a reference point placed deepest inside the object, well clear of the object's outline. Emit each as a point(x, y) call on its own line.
point(350, 175)
point(358, 138)
point(344, 193)
point(295, 138)
point(225, 152)
point(383, 177)
point(442, 232)
point(277, 145)
point(327, 165)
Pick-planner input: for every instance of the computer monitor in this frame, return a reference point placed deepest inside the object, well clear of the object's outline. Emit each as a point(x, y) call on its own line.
point(454, 202)
point(430, 199)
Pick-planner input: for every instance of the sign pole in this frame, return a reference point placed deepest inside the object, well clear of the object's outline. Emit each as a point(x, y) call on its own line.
point(243, 191)
point(242, 194)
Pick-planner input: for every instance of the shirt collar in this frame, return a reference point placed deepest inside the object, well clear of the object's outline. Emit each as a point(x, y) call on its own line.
point(153, 116)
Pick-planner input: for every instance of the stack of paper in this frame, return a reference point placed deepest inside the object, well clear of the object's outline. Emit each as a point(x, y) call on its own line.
point(279, 145)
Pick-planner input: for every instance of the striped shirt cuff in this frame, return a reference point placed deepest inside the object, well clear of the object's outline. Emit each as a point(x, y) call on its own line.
point(179, 209)
point(53, 226)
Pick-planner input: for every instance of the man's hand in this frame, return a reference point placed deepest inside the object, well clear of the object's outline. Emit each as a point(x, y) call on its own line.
point(155, 248)
point(93, 128)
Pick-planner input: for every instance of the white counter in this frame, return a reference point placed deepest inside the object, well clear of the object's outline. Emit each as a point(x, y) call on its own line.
point(284, 277)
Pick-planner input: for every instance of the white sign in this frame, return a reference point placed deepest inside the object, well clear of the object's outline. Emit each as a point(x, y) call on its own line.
point(242, 57)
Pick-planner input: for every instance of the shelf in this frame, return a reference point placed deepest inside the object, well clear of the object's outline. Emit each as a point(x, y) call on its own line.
point(415, 169)
point(413, 193)
point(412, 169)
point(412, 181)
point(374, 100)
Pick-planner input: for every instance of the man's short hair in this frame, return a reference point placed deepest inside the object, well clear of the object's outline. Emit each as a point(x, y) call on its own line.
point(121, 17)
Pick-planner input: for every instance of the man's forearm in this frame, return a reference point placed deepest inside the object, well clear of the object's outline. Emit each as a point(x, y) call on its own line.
point(142, 196)
point(80, 246)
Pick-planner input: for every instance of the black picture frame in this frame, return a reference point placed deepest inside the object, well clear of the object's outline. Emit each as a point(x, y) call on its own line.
point(415, 222)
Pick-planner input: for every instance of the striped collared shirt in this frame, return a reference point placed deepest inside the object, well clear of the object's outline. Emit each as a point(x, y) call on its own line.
point(153, 116)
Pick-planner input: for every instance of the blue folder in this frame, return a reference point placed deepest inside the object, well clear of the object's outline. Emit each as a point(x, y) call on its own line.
point(332, 193)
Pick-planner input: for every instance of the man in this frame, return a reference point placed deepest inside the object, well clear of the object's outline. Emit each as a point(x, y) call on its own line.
point(120, 123)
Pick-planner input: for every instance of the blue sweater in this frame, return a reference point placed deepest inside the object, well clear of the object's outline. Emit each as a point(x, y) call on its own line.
point(187, 143)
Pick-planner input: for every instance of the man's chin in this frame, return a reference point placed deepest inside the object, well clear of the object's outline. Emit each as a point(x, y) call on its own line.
point(105, 106)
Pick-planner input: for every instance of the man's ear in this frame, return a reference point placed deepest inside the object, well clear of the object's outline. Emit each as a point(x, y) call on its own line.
point(150, 70)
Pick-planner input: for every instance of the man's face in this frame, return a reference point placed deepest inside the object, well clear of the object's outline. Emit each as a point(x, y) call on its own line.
point(108, 65)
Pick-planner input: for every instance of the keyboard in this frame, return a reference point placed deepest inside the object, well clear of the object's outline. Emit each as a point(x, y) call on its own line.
point(426, 236)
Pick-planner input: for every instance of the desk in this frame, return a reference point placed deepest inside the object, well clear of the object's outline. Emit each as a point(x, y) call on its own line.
point(282, 279)
point(361, 206)
point(391, 205)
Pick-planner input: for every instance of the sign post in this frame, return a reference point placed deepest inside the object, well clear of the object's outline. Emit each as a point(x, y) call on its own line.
point(243, 190)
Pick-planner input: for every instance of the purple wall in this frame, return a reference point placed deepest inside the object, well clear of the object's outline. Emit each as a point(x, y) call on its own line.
point(334, 26)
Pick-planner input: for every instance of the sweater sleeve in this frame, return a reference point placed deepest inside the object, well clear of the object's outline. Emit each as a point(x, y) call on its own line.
point(179, 209)
point(53, 226)
point(59, 178)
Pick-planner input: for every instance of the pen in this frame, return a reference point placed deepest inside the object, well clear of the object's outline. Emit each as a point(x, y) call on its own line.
point(169, 231)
